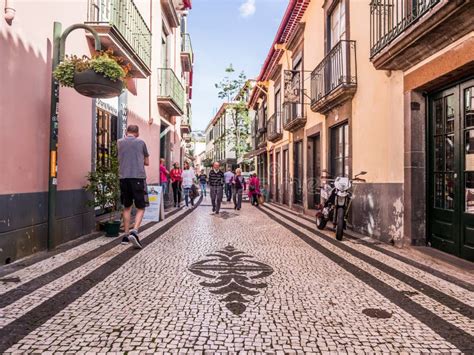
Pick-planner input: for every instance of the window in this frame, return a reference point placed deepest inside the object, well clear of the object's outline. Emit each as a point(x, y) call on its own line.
point(340, 150)
point(337, 24)
point(106, 135)
point(278, 110)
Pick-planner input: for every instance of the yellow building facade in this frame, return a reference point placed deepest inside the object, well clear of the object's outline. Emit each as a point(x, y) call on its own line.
point(324, 106)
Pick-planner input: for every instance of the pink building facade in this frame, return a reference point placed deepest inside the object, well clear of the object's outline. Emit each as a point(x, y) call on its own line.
point(87, 127)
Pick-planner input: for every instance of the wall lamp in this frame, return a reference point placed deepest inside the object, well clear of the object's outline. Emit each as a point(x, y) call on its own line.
point(9, 12)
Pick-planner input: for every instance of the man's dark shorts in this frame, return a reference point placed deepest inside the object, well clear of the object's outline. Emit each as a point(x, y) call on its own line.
point(133, 191)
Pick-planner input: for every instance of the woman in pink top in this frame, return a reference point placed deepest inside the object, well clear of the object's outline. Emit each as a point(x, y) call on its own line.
point(164, 176)
point(254, 189)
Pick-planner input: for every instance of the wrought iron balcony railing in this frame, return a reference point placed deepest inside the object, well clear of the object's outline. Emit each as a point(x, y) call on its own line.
point(262, 120)
point(261, 140)
point(170, 92)
point(390, 18)
point(186, 46)
point(275, 132)
point(335, 78)
point(294, 114)
point(187, 54)
point(124, 17)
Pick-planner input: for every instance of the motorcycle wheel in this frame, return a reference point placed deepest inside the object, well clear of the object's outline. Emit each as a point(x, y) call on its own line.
point(321, 222)
point(340, 223)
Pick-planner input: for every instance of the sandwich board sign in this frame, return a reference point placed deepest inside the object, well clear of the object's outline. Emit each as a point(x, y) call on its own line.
point(155, 212)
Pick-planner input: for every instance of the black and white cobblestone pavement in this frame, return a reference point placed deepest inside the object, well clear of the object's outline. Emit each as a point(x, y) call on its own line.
point(250, 281)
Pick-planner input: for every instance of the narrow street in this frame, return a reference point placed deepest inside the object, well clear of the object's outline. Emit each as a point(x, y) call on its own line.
point(254, 280)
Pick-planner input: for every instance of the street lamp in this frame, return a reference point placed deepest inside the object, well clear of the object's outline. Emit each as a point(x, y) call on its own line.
point(59, 44)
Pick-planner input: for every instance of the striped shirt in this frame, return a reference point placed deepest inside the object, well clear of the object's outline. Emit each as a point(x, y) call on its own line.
point(216, 179)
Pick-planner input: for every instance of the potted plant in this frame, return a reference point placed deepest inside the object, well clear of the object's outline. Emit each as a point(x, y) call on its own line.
point(102, 76)
point(104, 185)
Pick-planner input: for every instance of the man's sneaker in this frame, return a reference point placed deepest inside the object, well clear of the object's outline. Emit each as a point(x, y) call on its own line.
point(124, 240)
point(133, 237)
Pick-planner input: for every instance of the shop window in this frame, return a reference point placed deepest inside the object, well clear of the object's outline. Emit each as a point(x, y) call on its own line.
point(107, 134)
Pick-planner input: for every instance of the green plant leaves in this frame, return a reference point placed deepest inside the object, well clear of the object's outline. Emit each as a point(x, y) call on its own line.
point(104, 63)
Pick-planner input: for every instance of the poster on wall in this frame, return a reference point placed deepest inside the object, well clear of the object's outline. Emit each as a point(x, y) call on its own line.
point(155, 212)
point(469, 200)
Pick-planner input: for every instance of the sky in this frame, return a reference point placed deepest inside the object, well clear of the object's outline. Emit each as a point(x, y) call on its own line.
point(222, 32)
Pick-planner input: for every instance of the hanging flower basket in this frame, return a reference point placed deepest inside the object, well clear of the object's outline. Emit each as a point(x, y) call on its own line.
point(91, 84)
point(102, 76)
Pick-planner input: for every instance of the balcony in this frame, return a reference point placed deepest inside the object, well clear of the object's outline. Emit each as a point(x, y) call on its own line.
point(170, 92)
point(404, 33)
point(187, 137)
point(274, 128)
point(187, 55)
point(261, 140)
point(122, 28)
point(335, 79)
point(262, 120)
point(169, 12)
point(186, 120)
point(294, 115)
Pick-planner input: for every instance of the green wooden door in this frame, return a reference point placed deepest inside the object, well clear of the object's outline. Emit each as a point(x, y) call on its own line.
point(451, 175)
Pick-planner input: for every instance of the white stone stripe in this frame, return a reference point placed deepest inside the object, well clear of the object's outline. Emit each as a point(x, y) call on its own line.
point(428, 303)
point(44, 266)
point(34, 299)
point(440, 284)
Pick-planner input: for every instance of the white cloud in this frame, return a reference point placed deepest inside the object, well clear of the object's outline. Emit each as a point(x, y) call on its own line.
point(248, 8)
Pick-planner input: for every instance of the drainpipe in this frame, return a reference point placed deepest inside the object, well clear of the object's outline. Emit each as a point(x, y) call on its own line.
point(150, 118)
point(10, 11)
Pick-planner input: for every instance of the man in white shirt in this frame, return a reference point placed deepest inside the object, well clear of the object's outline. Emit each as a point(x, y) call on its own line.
point(228, 183)
point(188, 182)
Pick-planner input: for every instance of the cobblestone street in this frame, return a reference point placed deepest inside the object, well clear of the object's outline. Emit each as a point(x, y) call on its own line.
point(254, 280)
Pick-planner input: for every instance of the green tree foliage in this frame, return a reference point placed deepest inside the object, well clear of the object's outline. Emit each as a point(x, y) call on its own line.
point(229, 88)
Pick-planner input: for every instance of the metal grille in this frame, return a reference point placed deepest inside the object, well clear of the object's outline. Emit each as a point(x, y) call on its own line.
point(389, 18)
point(169, 86)
point(186, 46)
point(337, 69)
point(127, 20)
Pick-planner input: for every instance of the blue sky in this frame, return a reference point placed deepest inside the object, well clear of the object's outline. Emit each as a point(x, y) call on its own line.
point(223, 32)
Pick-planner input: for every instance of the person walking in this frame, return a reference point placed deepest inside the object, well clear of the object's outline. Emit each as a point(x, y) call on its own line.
point(254, 189)
point(176, 182)
point(203, 182)
point(164, 177)
point(133, 157)
point(188, 182)
point(228, 185)
point(216, 184)
point(239, 185)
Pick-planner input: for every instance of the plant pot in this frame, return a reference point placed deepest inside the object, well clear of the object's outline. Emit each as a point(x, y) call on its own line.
point(112, 228)
point(91, 84)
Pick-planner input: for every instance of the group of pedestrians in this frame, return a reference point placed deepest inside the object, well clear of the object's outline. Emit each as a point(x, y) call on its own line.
point(233, 184)
point(133, 156)
point(182, 181)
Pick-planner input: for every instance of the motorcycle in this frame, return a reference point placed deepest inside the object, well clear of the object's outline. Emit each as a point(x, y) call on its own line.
point(337, 196)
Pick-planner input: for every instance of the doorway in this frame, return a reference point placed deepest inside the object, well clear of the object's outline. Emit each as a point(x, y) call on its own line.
point(272, 177)
point(298, 173)
point(277, 172)
point(314, 171)
point(286, 177)
point(451, 170)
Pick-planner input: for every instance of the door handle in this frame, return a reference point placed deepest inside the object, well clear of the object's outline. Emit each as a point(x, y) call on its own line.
point(455, 175)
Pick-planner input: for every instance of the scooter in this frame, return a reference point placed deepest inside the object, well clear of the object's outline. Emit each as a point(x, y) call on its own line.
point(337, 197)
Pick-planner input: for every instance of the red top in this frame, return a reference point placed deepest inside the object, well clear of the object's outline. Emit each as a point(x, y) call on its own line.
point(175, 175)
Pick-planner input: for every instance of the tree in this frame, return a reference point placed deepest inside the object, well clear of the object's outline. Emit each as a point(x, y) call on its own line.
point(230, 88)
